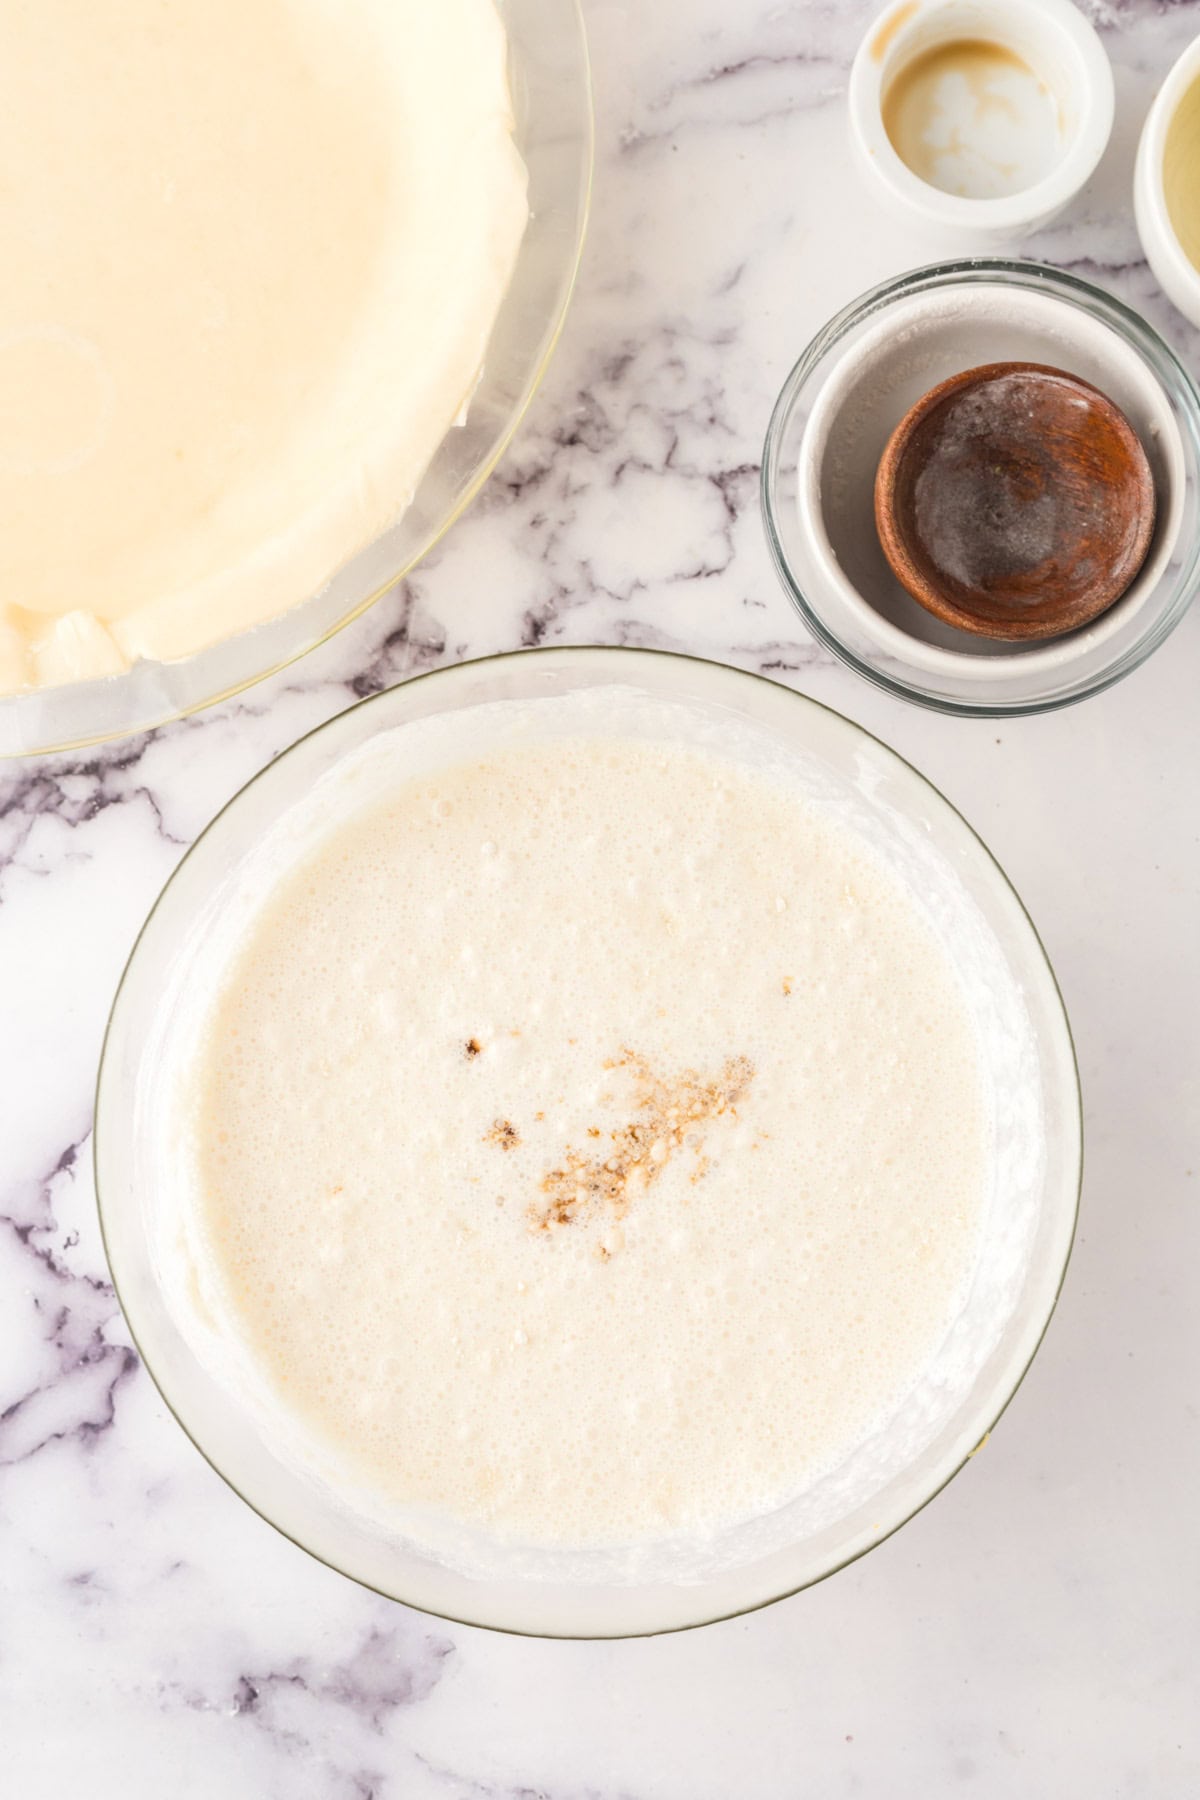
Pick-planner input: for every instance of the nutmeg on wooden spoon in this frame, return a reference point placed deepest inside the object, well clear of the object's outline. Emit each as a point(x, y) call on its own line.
point(1015, 501)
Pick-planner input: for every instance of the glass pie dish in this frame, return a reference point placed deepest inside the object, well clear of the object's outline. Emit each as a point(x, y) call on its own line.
point(551, 93)
point(1029, 1214)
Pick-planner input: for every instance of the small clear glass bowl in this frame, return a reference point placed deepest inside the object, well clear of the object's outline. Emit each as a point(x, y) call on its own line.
point(550, 80)
point(1029, 1216)
point(854, 383)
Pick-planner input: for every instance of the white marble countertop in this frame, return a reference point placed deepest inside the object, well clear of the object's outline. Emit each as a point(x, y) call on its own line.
point(1034, 1632)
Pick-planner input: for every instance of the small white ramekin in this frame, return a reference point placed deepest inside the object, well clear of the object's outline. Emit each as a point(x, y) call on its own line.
point(1174, 271)
point(1057, 42)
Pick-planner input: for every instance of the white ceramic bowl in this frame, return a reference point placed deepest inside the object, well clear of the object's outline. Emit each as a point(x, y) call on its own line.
point(1059, 45)
point(1028, 1221)
point(1169, 125)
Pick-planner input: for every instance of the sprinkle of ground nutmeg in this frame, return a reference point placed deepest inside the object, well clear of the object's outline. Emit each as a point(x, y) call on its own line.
point(669, 1113)
point(503, 1134)
point(471, 1049)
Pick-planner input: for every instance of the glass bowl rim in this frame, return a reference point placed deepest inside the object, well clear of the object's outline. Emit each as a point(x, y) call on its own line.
point(584, 651)
point(1034, 276)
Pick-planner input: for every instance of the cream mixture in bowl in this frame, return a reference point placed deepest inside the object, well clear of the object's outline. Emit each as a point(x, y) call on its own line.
point(588, 1142)
point(281, 277)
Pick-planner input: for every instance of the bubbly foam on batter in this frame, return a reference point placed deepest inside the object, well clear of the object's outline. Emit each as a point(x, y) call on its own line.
point(587, 1142)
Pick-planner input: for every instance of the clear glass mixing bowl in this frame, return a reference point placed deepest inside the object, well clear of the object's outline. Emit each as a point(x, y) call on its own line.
point(552, 102)
point(1030, 1216)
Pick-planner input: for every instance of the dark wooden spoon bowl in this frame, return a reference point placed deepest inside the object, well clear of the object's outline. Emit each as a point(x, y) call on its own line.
point(1015, 501)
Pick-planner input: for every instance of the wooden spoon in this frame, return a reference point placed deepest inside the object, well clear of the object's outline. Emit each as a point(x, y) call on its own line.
point(1015, 501)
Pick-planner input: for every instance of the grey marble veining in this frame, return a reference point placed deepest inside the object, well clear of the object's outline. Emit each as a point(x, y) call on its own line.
point(1037, 1630)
